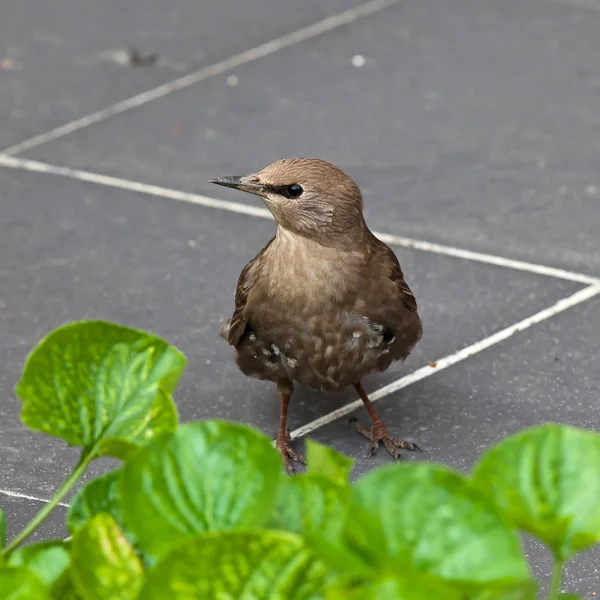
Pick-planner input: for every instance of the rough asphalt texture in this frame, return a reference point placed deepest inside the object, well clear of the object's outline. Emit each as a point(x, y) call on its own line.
point(472, 123)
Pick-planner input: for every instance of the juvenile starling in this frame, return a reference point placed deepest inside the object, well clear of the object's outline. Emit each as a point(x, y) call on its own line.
point(325, 302)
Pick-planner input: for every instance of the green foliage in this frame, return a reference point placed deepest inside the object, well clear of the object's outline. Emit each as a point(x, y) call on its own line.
point(204, 511)
point(100, 386)
point(238, 564)
point(434, 520)
point(322, 460)
point(47, 560)
point(328, 502)
point(209, 476)
point(100, 495)
point(19, 583)
point(402, 586)
point(104, 563)
point(546, 480)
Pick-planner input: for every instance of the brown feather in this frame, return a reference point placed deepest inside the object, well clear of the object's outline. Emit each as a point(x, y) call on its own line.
point(397, 276)
point(239, 320)
point(325, 302)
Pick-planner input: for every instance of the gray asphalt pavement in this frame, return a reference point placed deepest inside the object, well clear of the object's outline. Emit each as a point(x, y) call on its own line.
point(469, 124)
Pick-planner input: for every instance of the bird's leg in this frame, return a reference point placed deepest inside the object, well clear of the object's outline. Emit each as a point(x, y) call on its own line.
point(283, 442)
point(378, 432)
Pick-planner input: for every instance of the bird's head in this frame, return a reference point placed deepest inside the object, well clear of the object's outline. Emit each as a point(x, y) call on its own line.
point(307, 196)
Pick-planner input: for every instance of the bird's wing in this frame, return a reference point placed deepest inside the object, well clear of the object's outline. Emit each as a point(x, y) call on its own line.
point(390, 306)
point(397, 277)
point(239, 319)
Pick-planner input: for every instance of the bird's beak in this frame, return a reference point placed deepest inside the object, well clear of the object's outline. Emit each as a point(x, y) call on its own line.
point(245, 183)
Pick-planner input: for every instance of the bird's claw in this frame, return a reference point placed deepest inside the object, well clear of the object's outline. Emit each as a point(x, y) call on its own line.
point(378, 434)
point(283, 443)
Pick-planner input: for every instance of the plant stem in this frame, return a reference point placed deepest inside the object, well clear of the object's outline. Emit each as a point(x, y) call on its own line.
point(63, 490)
point(557, 573)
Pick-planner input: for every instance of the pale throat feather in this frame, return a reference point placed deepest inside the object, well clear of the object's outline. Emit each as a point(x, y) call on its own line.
point(307, 273)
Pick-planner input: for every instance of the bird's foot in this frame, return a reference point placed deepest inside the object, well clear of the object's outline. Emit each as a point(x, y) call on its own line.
point(283, 443)
point(378, 433)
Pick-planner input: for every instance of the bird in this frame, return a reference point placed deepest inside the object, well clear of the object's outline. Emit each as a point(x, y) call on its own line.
point(325, 302)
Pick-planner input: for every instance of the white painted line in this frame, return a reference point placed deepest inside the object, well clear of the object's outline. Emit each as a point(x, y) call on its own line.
point(289, 39)
point(28, 497)
point(452, 359)
point(254, 211)
point(134, 186)
point(489, 259)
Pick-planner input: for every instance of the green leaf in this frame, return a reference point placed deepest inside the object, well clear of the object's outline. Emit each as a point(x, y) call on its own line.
point(160, 419)
point(64, 588)
point(257, 565)
point(47, 560)
point(207, 476)
point(426, 517)
point(405, 586)
point(546, 480)
point(101, 386)
point(21, 584)
point(104, 564)
point(2, 529)
point(524, 591)
point(316, 508)
point(323, 460)
point(100, 495)
point(311, 505)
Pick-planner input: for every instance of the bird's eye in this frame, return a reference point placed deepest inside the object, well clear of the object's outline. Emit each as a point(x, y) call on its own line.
point(293, 191)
